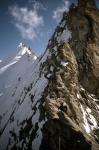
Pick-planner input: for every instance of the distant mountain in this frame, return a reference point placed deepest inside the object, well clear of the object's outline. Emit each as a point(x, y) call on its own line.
point(14, 66)
point(52, 102)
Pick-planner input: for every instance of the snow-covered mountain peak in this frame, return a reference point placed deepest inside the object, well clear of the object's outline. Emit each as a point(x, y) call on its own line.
point(21, 45)
point(14, 66)
point(23, 54)
point(24, 49)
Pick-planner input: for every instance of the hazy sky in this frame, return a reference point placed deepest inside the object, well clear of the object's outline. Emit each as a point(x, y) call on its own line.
point(29, 21)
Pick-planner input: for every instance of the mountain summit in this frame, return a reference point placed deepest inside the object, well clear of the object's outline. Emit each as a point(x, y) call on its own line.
point(24, 49)
point(14, 66)
point(54, 105)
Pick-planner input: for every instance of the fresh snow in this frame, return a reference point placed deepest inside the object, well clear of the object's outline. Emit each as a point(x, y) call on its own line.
point(78, 96)
point(49, 75)
point(64, 36)
point(63, 63)
point(92, 119)
point(16, 100)
point(86, 125)
point(51, 68)
point(7, 66)
point(23, 49)
point(88, 117)
point(34, 57)
point(12, 68)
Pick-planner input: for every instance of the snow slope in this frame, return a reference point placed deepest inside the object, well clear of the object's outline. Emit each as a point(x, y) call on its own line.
point(17, 103)
point(13, 67)
point(22, 98)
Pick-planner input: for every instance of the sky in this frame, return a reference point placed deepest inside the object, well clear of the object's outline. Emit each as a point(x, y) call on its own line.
point(29, 21)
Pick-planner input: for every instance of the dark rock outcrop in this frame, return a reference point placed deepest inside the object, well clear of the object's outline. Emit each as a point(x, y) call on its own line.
point(86, 3)
point(59, 135)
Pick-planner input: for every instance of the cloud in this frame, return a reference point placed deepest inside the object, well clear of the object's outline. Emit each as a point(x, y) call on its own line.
point(57, 14)
point(37, 5)
point(27, 21)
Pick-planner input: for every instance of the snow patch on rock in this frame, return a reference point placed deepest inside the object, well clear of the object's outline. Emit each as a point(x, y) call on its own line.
point(62, 24)
point(64, 64)
point(86, 125)
point(90, 122)
point(64, 36)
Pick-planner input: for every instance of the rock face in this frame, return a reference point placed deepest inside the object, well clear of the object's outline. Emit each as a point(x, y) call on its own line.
point(84, 42)
point(59, 108)
point(87, 3)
